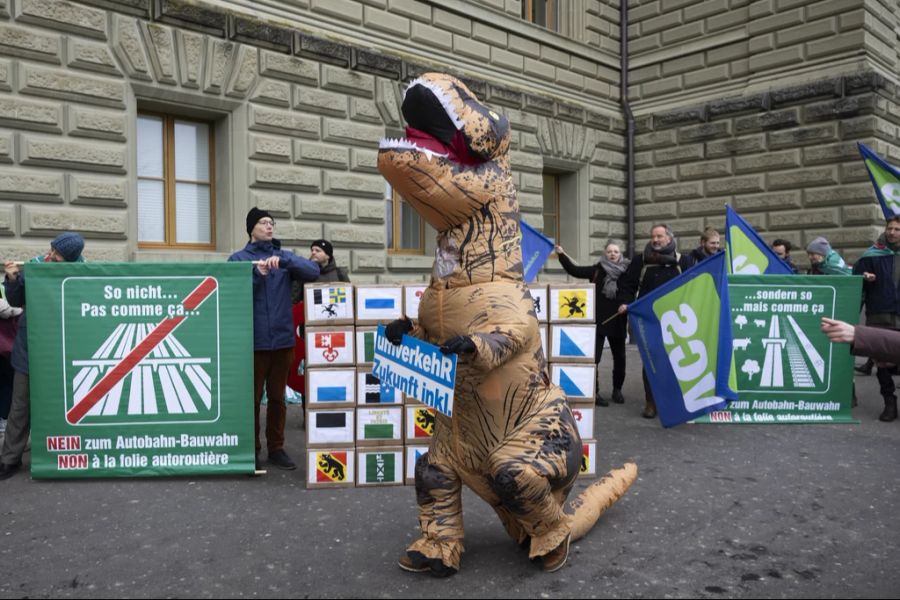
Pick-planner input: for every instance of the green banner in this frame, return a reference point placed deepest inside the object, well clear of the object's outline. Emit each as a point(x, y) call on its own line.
point(787, 370)
point(140, 369)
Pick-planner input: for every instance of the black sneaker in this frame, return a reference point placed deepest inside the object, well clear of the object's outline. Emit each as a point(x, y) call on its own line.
point(280, 459)
point(7, 471)
point(600, 401)
point(617, 397)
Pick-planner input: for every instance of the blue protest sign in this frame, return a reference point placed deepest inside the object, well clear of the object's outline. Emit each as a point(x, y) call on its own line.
point(418, 369)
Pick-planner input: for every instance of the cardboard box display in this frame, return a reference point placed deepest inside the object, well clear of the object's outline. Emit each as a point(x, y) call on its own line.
point(588, 459)
point(572, 343)
point(379, 425)
point(330, 346)
point(413, 453)
point(369, 391)
point(584, 418)
point(572, 303)
point(378, 304)
point(544, 332)
point(328, 388)
point(412, 295)
point(577, 381)
point(420, 421)
point(539, 293)
point(328, 303)
point(330, 427)
point(330, 467)
point(380, 466)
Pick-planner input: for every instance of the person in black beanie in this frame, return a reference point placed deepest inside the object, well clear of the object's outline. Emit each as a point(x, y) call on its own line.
point(321, 252)
point(273, 328)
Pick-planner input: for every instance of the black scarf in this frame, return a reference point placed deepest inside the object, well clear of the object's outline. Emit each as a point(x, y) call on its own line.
point(663, 256)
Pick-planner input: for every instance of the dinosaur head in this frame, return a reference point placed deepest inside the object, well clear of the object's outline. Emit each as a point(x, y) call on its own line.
point(454, 159)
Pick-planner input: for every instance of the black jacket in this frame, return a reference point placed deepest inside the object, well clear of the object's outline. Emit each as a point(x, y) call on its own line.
point(605, 307)
point(632, 285)
point(330, 272)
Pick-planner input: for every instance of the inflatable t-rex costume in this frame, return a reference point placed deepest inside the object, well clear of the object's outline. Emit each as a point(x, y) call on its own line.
point(512, 438)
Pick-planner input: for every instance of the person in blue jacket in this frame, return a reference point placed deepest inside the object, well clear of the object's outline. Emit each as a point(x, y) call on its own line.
point(273, 327)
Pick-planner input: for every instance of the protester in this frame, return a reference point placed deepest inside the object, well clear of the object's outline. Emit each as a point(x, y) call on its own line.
point(876, 342)
point(321, 252)
point(660, 262)
point(273, 330)
point(824, 260)
point(66, 247)
point(710, 242)
point(9, 319)
point(881, 277)
point(783, 249)
point(605, 275)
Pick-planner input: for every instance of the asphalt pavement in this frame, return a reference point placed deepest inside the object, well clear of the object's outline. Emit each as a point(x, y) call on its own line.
point(718, 511)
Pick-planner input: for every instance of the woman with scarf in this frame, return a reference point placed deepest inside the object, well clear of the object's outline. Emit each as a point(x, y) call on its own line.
point(605, 275)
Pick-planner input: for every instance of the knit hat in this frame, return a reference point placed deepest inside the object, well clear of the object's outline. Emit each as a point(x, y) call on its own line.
point(324, 245)
point(69, 245)
point(819, 246)
point(254, 216)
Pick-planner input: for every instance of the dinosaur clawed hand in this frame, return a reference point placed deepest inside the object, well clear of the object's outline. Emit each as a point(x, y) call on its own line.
point(460, 344)
point(395, 330)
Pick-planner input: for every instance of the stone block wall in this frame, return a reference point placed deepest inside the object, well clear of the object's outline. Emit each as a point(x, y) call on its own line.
point(786, 160)
point(301, 115)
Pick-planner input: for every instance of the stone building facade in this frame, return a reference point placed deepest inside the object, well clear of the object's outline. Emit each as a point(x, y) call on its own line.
point(758, 104)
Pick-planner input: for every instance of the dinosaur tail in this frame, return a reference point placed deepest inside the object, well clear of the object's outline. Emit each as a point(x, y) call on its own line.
point(599, 496)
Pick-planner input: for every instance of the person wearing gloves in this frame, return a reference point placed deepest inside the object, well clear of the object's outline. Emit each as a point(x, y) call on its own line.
point(273, 329)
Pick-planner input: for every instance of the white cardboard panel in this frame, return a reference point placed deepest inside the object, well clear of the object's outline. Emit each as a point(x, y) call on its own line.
point(572, 304)
point(572, 343)
point(577, 381)
point(584, 417)
point(544, 329)
point(328, 303)
point(378, 304)
point(539, 293)
point(412, 295)
point(330, 346)
point(330, 387)
point(330, 427)
point(369, 393)
point(382, 425)
point(419, 423)
point(330, 467)
point(380, 466)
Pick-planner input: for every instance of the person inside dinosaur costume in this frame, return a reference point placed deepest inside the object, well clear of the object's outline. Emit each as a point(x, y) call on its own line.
point(512, 438)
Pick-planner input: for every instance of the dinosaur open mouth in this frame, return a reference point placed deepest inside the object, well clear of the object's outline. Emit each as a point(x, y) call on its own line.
point(435, 128)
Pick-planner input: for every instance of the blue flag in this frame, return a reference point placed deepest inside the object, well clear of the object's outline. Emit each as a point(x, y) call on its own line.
point(747, 253)
point(683, 332)
point(886, 180)
point(535, 250)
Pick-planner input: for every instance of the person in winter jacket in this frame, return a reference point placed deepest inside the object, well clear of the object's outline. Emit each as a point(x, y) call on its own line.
point(660, 262)
point(273, 329)
point(605, 275)
point(321, 252)
point(66, 247)
point(881, 276)
point(710, 241)
point(824, 260)
point(875, 342)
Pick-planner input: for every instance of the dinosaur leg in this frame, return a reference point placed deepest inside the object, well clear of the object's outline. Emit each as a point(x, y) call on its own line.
point(439, 495)
point(532, 486)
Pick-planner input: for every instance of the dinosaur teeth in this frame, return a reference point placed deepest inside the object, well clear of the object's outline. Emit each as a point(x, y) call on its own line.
point(442, 97)
point(405, 144)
